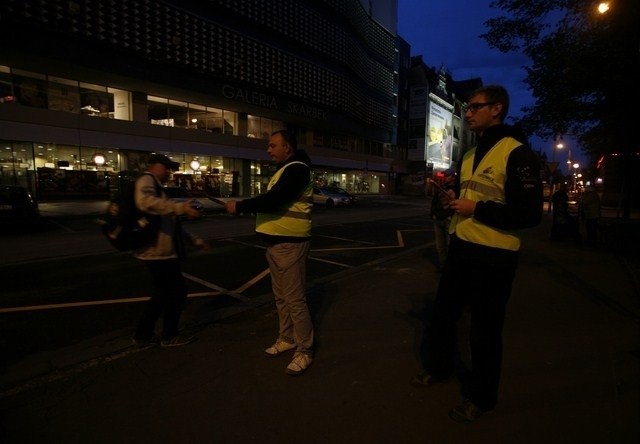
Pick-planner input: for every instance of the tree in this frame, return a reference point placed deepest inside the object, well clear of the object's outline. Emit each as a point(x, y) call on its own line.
point(583, 71)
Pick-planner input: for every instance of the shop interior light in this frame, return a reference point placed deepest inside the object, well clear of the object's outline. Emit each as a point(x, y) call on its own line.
point(99, 159)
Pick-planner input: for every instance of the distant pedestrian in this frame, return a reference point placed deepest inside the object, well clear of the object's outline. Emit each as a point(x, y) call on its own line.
point(284, 222)
point(563, 224)
point(441, 217)
point(162, 258)
point(497, 193)
point(590, 213)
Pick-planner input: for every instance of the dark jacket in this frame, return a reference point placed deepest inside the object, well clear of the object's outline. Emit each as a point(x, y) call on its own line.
point(523, 207)
point(289, 187)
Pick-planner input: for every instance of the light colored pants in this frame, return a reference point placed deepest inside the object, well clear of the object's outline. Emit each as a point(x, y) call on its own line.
point(287, 264)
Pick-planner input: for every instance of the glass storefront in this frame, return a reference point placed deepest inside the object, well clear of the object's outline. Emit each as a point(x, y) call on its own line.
point(356, 182)
point(53, 170)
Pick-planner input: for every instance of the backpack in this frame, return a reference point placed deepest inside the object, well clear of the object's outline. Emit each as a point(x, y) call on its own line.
point(126, 227)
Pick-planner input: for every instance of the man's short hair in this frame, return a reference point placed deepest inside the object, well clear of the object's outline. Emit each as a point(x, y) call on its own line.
point(497, 94)
point(289, 138)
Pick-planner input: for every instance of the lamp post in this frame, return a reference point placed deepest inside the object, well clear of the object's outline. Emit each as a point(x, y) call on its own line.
point(553, 166)
point(575, 174)
point(558, 146)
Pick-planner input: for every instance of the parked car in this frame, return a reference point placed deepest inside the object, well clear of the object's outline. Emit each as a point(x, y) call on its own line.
point(325, 196)
point(352, 199)
point(17, 206)
point(182, 195)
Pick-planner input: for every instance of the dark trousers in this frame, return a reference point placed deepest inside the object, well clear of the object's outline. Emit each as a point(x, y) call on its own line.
point(481, 278)
point(592, 230)
point(168, 299)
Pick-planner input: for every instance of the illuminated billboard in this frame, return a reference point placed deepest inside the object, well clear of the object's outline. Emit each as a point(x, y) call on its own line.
point(439, 136)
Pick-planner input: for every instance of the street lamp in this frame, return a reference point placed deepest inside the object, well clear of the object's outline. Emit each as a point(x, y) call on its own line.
point(553, 166)
point(559, 145)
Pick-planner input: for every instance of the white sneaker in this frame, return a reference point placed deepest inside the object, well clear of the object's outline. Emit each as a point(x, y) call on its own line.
point(300, 362)
point(278, 348)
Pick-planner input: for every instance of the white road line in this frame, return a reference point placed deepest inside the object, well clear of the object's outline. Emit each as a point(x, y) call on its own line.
point(64, 227)
point(348, 240)
point(377, 247)
point(252, 281)
point(249, 244)
point(207, 284)
point(219, 291)
point(311, 258)
point(72, 305)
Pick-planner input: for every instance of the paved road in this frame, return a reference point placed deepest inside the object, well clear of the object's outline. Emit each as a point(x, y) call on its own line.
point(570, 373)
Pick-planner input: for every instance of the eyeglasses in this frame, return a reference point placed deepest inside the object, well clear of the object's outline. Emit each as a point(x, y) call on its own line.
point(473, 107)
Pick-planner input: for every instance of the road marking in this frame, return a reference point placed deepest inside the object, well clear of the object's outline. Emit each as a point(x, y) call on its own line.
point(236, 294)
point(317, 259)
point(64, 227)
point(219, 291)
point(348, 240)
point(72, 305)
point(249, 244)
point(252, 281)
point(207, 284)
point(399, 238)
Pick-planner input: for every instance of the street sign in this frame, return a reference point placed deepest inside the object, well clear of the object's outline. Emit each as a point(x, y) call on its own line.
point(553, 166)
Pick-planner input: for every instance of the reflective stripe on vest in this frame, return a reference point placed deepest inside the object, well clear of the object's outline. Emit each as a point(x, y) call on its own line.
point(486, 183)
point(294, 220)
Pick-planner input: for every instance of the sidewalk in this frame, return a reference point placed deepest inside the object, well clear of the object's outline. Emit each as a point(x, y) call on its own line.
point(570, 371)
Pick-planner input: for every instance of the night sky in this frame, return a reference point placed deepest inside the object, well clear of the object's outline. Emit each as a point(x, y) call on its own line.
point(446, 33)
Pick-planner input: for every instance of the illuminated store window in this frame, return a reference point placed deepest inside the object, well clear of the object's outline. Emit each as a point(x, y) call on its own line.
point(95, 100)
point(64, 95)
point(253, 126)
point(214, 119)
point(230, 122)
point(158, 111)
point(197, 117)
point(179, 113)
point(262, 127)
point(6, 86)
point(30, 89)
point(121, 104)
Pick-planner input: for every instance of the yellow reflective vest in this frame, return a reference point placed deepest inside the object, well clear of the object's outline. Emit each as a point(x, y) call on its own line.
point(293, 221)
point(486, 183)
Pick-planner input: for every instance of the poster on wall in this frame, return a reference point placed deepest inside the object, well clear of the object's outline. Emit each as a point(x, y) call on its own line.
point(440, 137)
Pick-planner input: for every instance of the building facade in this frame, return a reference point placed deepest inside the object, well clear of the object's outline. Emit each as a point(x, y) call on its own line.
point(438, 134)
point(88, 89)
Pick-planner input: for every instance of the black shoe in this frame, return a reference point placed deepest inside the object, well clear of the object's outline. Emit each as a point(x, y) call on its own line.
point(424, 379)
point(466, 413)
